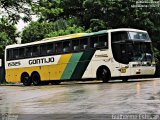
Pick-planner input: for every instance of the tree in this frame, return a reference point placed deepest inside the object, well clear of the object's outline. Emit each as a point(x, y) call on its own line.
point(16, 9)
point(39, 30)
point(69, 30)
point(47, 10)
point(7, 35)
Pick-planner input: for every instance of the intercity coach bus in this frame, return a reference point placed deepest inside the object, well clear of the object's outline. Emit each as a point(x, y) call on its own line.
point(116, 53)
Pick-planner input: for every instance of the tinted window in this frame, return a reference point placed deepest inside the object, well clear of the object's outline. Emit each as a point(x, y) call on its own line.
point(15, 53)
point(119, 36)
point(103, 41)
point(50, 49)
point(21, 52)
point(75, 45)
point(29, 52)
point(9, 54)
point(66, 46)
point(35, 51)
point(94, 42)
point(59, 47)
point(43, 49)
point(84, 43)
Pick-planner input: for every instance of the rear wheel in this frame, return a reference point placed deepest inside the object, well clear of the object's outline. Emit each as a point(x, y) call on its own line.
point(35, 77)
point(26, 79)
point(103, 74)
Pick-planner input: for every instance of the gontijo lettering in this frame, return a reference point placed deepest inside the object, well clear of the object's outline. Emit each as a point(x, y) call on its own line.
point(41, 61)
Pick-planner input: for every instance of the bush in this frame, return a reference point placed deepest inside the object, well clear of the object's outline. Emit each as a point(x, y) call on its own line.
point(157, 58)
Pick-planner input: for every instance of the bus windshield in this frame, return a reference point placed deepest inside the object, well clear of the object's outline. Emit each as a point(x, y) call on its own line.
point(138, 36)
point(131, 46)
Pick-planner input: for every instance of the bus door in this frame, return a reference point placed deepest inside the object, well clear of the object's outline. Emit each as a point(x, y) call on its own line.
point(121, 52)
point(124, 67)
point(121, 56)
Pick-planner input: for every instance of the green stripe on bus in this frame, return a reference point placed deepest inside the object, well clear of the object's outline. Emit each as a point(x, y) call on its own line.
point(82, 64)
point(71, 66)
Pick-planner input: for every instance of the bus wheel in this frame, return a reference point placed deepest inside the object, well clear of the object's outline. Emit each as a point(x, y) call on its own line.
point(103, 74)
point(55, 82)
point(25, 79)
point(35, 77)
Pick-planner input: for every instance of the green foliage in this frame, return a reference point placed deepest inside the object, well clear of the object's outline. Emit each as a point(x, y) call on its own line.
point(47, 10)
point(8, 28)
point(97, 25)
point(13, 9)
point(7, 35)
point(69, 30)
point(157, 55)
point(37, 30)
point(4, 39)
point(99, 14)
point(157, 59)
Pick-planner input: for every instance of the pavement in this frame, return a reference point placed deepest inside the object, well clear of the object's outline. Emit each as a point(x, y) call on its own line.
point(82, 100)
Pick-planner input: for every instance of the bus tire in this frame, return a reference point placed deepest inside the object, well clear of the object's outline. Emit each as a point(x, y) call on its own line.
point(35, 78)
point(25, 79)
point(55, 82)
point(103, 73)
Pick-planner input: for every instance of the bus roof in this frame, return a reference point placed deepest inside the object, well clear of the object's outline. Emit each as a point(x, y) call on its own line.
point(126, 29)
point(76, 35)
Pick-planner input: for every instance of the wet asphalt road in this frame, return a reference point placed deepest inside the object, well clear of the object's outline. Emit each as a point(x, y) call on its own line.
point(138, 96)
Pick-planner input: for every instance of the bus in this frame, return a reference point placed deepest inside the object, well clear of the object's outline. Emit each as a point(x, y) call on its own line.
point(120, 53)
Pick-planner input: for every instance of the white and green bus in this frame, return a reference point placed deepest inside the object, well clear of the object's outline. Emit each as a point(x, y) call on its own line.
point(116, 53)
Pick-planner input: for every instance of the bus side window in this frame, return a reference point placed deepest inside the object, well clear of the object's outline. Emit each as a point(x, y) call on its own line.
point(94, 42)
point(84, 43)
point(9, 54)
point(50, 48)
point(35, 51)
point(29, 52)
point(21, 52)
point(75, 45)
point(43, 49)
point(66, 46)
point(103, 41)
point(15, 53)
point(58, 47)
